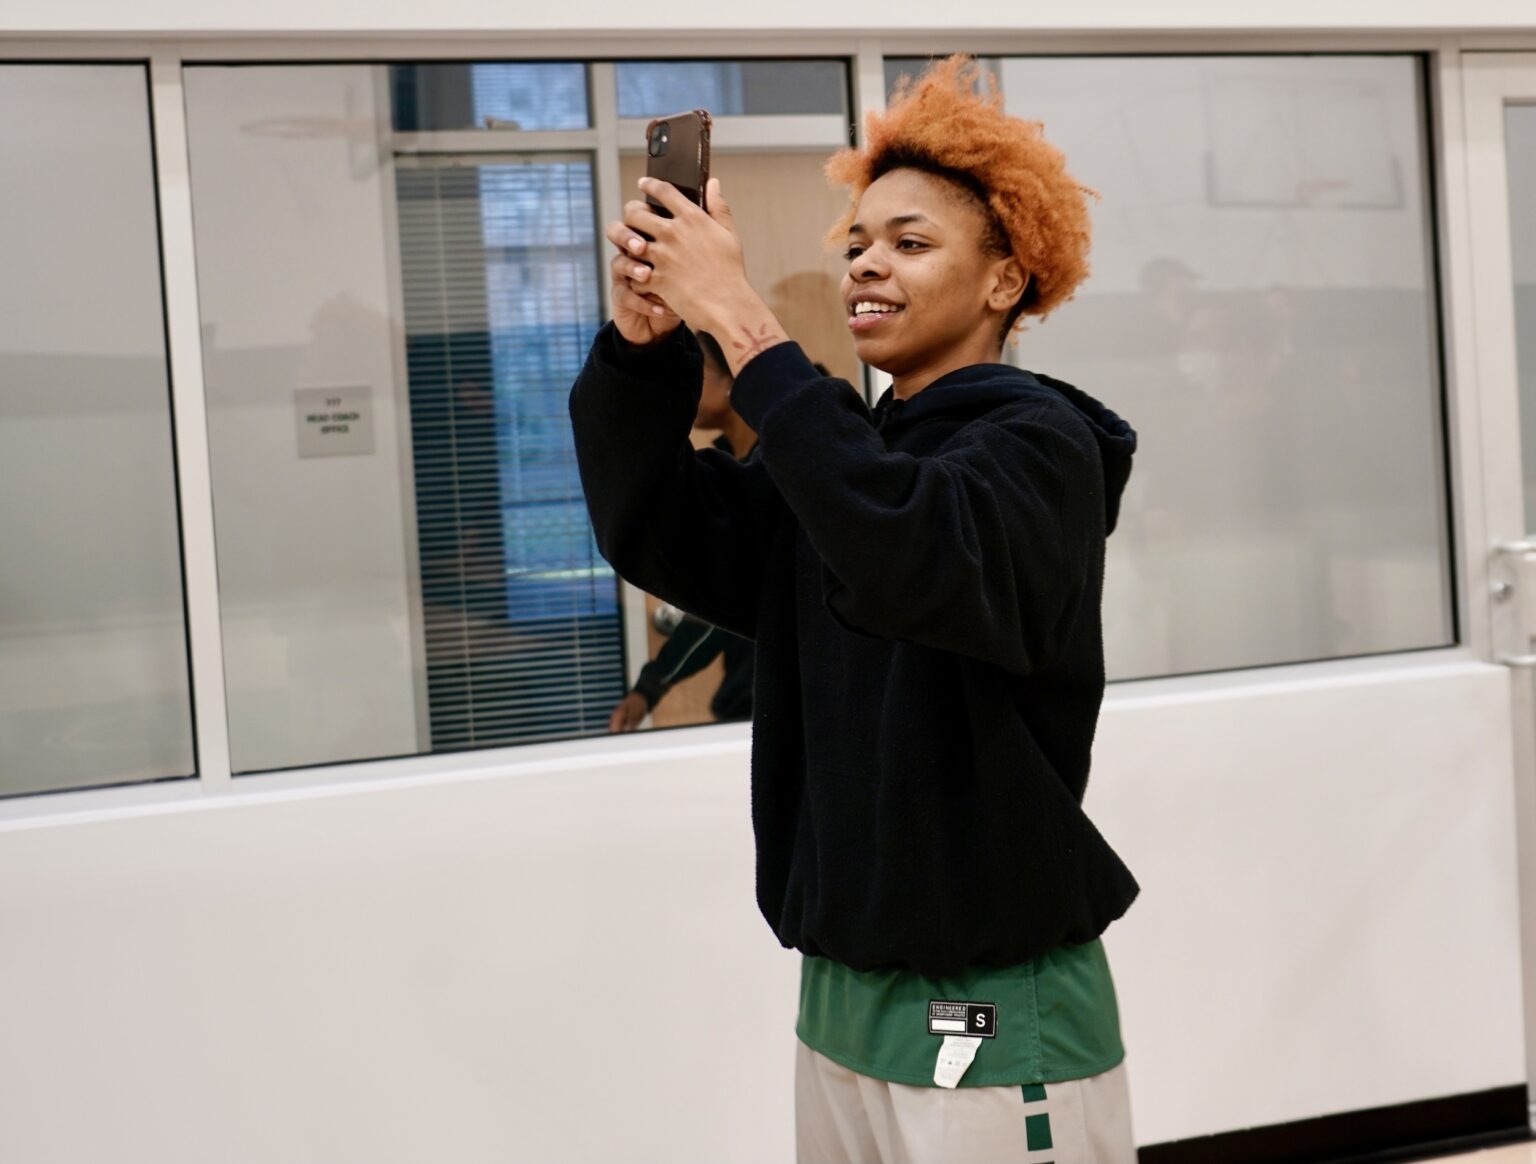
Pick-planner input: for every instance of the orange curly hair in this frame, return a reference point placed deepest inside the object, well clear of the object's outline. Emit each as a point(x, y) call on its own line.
point(1036, 211)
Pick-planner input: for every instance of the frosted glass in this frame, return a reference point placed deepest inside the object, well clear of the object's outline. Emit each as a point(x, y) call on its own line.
point(93, 655)
point(1262, 309)
point(434, 586)
point(1520, 152)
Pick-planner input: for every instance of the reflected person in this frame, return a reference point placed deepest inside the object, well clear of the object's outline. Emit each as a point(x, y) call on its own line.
point(693, 643)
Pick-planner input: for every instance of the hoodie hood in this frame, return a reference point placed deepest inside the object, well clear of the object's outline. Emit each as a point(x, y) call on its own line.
point(971, 392)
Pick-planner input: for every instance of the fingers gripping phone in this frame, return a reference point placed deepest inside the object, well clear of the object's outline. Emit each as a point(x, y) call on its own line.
point(677, 151)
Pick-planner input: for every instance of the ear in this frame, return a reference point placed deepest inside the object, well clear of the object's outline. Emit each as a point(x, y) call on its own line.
point(1008, 283)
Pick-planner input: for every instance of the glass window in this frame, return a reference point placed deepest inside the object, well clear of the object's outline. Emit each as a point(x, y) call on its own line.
point(523, 632)
point(1263, 310)
point(726, 88)
point(1520, 152)
point(799, 280)
point(390, 339)
point(532, 96)
point(94, 684)
point(300, 325)
point(404, 560)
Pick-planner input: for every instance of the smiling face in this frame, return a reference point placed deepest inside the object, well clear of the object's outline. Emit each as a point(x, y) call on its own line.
point(917, 249)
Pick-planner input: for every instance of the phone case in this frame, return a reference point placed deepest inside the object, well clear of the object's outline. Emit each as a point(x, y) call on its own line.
point(686, 162)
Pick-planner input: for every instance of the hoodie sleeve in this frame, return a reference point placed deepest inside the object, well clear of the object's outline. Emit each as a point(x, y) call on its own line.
point(690, 527)
point(982, 549)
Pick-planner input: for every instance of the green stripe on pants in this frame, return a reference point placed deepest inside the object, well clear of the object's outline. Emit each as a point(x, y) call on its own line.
point(1038, 1129)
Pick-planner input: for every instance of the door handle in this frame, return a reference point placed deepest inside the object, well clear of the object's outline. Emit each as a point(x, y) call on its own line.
point(1515, 621)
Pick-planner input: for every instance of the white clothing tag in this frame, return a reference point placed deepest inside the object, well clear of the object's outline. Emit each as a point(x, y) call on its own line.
point(955, 1057)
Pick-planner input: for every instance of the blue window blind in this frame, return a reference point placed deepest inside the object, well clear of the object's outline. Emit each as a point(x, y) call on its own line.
point(523, 632)
point(552, 96)
point(528, 95)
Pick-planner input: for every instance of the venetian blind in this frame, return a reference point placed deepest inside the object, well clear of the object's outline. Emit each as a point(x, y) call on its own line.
point(499, 267)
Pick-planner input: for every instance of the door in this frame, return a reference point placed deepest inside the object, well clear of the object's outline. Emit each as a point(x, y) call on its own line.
point(1500, 95)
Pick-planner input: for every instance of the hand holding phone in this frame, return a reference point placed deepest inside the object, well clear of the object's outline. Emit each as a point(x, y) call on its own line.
point(677, 151)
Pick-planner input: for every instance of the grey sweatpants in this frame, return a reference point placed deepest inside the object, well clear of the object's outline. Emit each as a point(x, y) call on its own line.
point(842, 1117)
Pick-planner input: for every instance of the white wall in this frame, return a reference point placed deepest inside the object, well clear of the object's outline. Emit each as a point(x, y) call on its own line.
point(565, 964)
point(1329, 919)
point(689, 16)
point(293, 251)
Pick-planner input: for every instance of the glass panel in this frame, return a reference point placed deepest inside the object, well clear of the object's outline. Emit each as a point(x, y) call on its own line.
point(703, 674)
point(1520, 152)
point(726, 88)
point(405, 563)
point(93, 655)
point(1262, 310)
point(523, 631)
point(800, 282)
point(484, 96)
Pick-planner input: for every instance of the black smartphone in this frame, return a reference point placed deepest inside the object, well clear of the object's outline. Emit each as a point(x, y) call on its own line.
point(677, 151)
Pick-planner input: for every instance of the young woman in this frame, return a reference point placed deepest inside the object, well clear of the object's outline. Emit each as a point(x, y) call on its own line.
point(923, 584)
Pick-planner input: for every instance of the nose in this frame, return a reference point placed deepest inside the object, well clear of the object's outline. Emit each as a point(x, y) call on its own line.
point(865, 267)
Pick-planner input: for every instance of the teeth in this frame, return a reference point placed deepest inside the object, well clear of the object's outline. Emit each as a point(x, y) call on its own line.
point(865, 307)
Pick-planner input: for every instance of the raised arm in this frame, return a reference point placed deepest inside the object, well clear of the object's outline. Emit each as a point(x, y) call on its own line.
point(691, 527)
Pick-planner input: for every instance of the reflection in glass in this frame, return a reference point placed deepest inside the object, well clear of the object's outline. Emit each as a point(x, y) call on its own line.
point(1520, 152)
point(523, 632)
point(1262, 310)
point(435, 586)
point(731, 88)
point(524, 95)
point(297, 291)
point(93, 655)
point(389, 338)
point(800, 282)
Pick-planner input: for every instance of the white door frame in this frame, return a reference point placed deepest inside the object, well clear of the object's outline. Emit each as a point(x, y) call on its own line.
point(1491, 82)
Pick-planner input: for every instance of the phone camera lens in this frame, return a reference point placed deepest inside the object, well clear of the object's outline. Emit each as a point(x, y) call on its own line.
point(657, 145)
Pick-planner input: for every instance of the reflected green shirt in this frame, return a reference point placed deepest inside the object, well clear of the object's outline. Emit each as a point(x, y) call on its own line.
point(1056, 1017)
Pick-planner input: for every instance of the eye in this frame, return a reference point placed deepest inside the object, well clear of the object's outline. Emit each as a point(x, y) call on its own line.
point(856, 251)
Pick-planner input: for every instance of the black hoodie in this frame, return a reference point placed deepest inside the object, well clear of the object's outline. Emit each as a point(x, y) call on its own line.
point(923, 583)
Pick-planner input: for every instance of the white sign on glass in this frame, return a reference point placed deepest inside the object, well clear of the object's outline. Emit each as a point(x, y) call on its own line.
point(334, 421)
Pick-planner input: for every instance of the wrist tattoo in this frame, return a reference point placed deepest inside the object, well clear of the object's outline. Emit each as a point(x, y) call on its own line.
point(751, 344)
